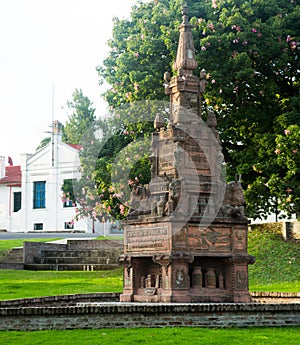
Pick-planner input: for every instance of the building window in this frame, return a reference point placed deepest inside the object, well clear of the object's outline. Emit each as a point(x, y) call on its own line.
point(39, 194)
point(38, 226)
point(68, 203)
point(68, 197)
point(69, 225)
point(17, 201)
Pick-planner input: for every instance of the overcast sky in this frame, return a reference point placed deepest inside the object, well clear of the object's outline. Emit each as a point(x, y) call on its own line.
point(46, 43)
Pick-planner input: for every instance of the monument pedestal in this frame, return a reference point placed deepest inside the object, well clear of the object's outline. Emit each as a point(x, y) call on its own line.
point(192, 264)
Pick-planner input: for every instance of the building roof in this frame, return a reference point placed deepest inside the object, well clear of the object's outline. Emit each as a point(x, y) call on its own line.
point(13, 176)
point(76, 146)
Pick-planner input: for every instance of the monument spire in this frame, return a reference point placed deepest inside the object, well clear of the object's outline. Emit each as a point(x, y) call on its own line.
point(184, 242)
point(185, 88)
point(185, 61)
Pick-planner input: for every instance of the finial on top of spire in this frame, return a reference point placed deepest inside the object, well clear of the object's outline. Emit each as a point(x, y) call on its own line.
point(185, 12)
point(185, 59)
point(185, 9)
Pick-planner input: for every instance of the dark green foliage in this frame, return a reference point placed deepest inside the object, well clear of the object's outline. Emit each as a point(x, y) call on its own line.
point(81, 120)
point(250, 50)
point(43, 143)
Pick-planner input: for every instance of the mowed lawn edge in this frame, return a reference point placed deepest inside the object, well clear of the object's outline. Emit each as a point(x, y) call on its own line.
point(162, 336)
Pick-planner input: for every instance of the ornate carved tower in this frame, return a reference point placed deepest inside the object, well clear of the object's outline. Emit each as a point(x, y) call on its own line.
point(184, 91)
point(187, 242)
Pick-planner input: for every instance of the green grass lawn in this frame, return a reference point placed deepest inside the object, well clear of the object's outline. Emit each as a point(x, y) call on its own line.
point(162, 336)
point(277, 268)
point(25, 284)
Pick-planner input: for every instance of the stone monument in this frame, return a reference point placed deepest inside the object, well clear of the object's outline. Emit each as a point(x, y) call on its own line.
point(185, 237)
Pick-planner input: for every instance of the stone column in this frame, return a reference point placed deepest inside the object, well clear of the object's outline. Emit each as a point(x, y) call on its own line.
point(127, 294)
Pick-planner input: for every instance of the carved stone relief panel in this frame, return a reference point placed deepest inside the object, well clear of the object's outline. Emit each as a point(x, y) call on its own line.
point(210, 238)
point(241, 282)
point(240, 239)
point(180, 278)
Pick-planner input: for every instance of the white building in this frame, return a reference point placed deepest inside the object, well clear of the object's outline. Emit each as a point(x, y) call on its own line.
point(10, 193)
point(31, 194)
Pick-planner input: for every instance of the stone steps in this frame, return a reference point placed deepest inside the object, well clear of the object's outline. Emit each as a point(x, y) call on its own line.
point(11, 266)
point(70, 267)
point(12, 260)
point(84, 260)
point(89, 259)
point(90, 253)
point(76, 255)
point(14, 255)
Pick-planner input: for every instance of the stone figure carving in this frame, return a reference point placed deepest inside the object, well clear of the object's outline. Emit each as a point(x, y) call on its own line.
point(167, 77)
point(178, 159)
point(172, 197)
point(234, 201)
point(212, 124)
point(154, 206)
point(153, 166)
point(241, 280)
point(203, 81)
point(161, 206)
point(139, 199)
point(180, 278)
point(159, 122)
point(211, 119)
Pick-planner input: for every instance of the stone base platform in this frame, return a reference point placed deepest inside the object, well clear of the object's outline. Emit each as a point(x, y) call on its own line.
point(84, 312)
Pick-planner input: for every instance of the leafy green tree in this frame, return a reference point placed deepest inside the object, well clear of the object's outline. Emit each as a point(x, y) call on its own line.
point(255, 89)
point(81, 119)
point(94, 192)
point(80, 128)
point(287, 187)
point(43, 143)
point(111, 164)
point(250, 50)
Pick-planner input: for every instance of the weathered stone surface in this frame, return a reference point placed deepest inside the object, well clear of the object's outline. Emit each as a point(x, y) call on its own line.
point(85, 255)
point(133, 315)
point(187, 220)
